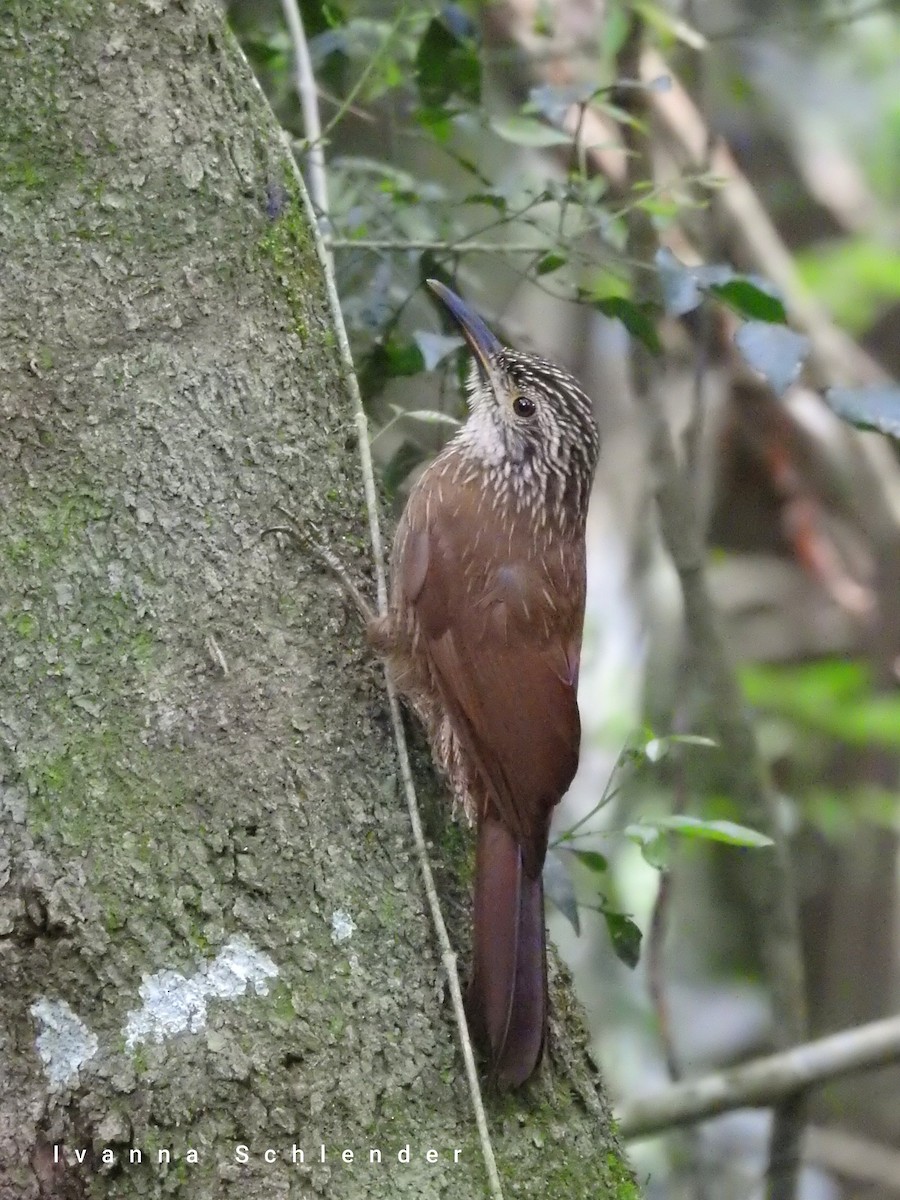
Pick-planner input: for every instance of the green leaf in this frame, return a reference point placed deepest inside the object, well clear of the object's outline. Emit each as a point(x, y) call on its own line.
point(653, 845)
point(402, 357)
point(551, 262)
point(494, 200)
point(773, 350)
point(714, 831)
point(592, 859)
point(387, 360)
point(750, 299)
point(616, 25)
point(525, 131)
point(637, 319)
point(875, 408)
point(625, 937)
point(446, 66)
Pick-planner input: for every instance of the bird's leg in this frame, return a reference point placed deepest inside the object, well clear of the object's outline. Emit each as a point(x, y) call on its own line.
point(307, 537)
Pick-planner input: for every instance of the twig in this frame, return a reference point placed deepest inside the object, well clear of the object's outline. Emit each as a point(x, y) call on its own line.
point(854, 1157)
point(437, 247)
point(306, 537)
point(448, 958)
point(765, 1081)
point(305, 83)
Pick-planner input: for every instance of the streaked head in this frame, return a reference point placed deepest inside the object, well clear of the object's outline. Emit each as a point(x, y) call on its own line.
point(527, 416)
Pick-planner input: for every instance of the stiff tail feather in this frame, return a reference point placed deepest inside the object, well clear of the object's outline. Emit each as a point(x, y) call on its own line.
point(507, 996)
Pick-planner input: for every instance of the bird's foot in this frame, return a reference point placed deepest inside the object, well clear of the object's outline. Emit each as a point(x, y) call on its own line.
point(308, 537)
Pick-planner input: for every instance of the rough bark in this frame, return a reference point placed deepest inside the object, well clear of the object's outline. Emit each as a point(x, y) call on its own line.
point(212, 929)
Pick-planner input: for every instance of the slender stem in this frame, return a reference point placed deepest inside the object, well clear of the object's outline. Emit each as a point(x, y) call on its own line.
point(448, 958)
point(305, 83)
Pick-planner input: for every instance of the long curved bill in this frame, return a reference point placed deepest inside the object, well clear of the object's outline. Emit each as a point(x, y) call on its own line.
point(484, 345)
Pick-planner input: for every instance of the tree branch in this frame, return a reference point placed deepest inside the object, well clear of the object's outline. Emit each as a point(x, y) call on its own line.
point(765, 1081)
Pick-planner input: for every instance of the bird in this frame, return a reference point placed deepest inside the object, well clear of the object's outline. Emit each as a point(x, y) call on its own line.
point(482, 636)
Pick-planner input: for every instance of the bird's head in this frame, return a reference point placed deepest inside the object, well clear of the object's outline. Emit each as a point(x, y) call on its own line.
point(528, 418)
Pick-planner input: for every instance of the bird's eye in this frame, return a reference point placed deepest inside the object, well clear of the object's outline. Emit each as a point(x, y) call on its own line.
point(523, 407)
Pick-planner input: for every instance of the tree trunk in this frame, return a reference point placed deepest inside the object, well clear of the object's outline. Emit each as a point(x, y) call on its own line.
point(212, 927)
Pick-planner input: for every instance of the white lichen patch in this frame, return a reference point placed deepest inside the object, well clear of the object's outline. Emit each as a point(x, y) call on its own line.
point(175, 1003)
point(342, 926)
point(64, 1043)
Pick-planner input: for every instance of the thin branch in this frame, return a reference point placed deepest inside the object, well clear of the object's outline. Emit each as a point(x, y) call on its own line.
point(765, 1081)
point(436, 247)
point(305, 83)
point(853, 1157)
point(448, 957)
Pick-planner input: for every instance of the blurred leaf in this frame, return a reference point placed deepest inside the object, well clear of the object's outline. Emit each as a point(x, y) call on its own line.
point(868, 408)
point(713, 831)
point(592, 859)
point(653, 844)
point(494, 199)
point(558, 885)
point(750, 299)
point(854, 278)
point(669, 26)
point(551, 262)
point(773, 350)
point(553, 101)
point(636, 318)
point(402, 356)
point(389, 359)
point(525, 131)
point(682, 286)
point(427, 416)
point(625, 937)
point(833, 698)
point(807, 684)
point(435, 347)
point(436, 121)
point(616, 24)
point(680, 291)
point(447, 65)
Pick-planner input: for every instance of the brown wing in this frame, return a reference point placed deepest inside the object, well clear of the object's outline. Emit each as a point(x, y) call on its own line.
point(504, 654)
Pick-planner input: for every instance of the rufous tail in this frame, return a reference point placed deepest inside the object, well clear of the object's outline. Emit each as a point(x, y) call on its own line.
point(506, 1001)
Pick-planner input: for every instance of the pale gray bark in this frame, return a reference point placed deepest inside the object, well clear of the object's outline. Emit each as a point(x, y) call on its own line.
point(196, 766)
